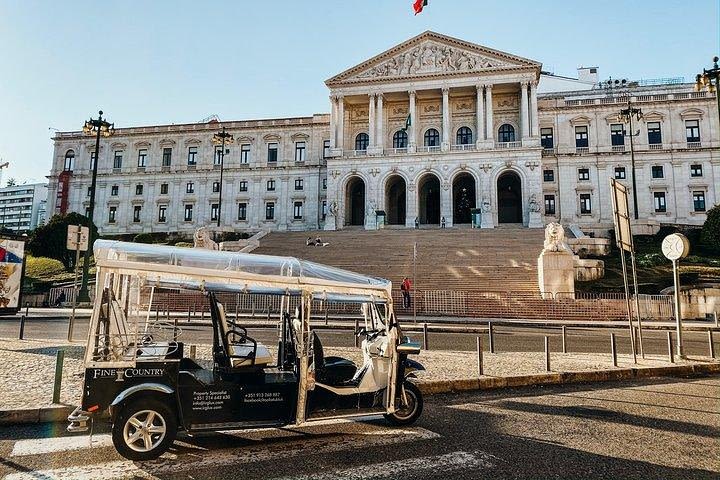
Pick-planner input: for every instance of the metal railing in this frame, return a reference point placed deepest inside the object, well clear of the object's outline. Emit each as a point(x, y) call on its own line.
point(462, 147)
point(508, 145)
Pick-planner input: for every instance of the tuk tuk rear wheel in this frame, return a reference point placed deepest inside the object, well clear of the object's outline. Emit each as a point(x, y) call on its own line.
point(408, 412)
point(144, 429)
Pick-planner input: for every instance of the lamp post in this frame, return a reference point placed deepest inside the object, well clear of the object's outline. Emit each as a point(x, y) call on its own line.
point(221, 138)
point(710, 80)
point(95, 127)
point(626, 115)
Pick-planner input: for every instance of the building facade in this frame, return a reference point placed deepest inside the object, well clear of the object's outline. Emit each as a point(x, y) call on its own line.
point(23, 207)
point(428, 131)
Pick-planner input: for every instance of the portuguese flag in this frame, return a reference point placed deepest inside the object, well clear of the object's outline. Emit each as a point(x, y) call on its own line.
point(418, 5)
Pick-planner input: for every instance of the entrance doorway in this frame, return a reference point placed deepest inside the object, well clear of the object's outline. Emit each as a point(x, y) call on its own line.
point(395, 200)
point(355, 202)
point(509, 198)
point(429, 199)
point(463, 198)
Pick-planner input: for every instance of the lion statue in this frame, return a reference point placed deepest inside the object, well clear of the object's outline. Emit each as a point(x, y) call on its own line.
point(202, 239)
point(555, 238)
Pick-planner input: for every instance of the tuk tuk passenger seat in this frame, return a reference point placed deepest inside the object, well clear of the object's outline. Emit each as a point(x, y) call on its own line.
point(241, 354)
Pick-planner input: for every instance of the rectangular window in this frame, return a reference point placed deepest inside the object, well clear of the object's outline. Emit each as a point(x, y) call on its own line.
point(93, 159)
point(218, 158)
point(696, 170)
point(546, 138)
point(324, 184)
point(585, 205)
point(620, 173)
point(324, 209)
point(192, 155)
point(242, 212)
point(163, 189)
point(297, 210)
point(243, 186)
point(617, 134)
point(167, 157)
point(188, 212)
point(142, 157)
point(299, 151)
point(660, 205)
point(699, 201)
point(117, 160)
point(657, 171)
point(162, 213)
point(548, 175)
point(270, 211)
point(270, 185)
point(654, 133)
point(583, 174)
point(114, 190)
point(692, 130)
point(549, 204)
point(190, 187)
point(581, 137)
point(272, 152)
point(216, 187)
point(326, 148)
point(214, 212)
point(69, 161)
point(298, 184)
point(245, 154)
point(138, 189)
point(136, 213)
point(111, 214)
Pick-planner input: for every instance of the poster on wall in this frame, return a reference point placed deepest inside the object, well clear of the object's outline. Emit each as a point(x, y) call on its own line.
point(12, 255)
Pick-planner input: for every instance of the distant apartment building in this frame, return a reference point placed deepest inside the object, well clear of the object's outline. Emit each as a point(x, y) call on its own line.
point(23, 207)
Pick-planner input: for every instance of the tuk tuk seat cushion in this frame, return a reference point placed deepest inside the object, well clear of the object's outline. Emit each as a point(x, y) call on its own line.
point(262, 357)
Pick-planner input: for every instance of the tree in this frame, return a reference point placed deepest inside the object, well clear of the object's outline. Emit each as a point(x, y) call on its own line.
point(50, 240)
point(710, 235)
point(11, 182)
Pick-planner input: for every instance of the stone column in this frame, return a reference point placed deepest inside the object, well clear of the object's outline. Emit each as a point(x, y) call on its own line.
point(490, 128)
point(524, 131)
point(371, 122)
point(446, 203)
point(340, 123)
point(479, 116)
point(380, 138)
point(412, 141)
point(534, 127)
point(333, 121)
point(411, 205)
point(445, 119)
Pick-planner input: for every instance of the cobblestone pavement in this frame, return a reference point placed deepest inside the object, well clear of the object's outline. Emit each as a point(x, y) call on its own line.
point(29, 365)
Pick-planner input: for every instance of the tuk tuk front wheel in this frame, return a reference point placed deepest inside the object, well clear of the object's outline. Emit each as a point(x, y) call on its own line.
point(409, 405)
point(144, 429)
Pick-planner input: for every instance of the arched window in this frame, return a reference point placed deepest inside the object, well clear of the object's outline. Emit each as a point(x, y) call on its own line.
point(432, 138)
point(464, 136)
point(361, 141)
point(506, 133)
point(400, 139)
point(69, 161)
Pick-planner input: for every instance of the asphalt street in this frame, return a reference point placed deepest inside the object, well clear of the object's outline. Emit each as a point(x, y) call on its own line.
point(663, 428)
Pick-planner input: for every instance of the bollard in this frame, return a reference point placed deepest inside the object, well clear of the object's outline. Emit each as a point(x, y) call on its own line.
point(613, 349)
point(157, 314)
point(175, 329)
point(547, 353)
point(425, 337)
point(236, 308)
point(710, 344)
point(27, 309)
point(564, 339)
point(326, 315)
point(188, 313)
point(59, 360)
point(490, 335)
point(717, 319)
point(479, 356)
point(192, 351)
point(355, 334)
point(671, 355)
point(22, 327)
point(636, 343)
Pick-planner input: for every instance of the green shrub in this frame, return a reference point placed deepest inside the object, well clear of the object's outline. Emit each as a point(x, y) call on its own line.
point(184, 244)
point(43, 267)
point(710, 235)
point(143, 238)
point(650, 259)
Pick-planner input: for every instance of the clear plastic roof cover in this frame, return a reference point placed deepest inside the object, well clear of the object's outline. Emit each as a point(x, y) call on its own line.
point(229, 261)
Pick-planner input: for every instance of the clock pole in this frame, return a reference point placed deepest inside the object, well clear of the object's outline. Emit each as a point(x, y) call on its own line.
point(678, 316)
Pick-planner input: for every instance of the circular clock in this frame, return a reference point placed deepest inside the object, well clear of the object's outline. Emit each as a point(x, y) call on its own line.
point(676, 246)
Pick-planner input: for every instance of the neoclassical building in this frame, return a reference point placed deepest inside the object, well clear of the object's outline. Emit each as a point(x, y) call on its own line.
point(434, 129)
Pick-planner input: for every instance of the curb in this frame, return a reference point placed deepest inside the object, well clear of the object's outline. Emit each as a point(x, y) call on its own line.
point(54, 413)
point(561, 378)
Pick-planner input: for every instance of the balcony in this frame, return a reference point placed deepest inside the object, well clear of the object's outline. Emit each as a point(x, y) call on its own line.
point(398, 150)
point(655, 146)
point(694, 144)
point(508, 145)
point(359, 153)
point(549, 151)
point(165, 168)
point(429, 148)
point(462, 147)
point(618, 148)
point(582, 150)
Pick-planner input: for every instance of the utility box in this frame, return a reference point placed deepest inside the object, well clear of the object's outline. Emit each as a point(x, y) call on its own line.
point(476, 217)
point(380, 217)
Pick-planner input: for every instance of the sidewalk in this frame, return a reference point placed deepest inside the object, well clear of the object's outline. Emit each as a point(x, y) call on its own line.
point(29, 365)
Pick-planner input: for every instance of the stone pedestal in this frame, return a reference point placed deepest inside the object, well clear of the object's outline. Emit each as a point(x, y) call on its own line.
point(330, 222)
point(535, 220)
point(486, 220)
point(556, 272)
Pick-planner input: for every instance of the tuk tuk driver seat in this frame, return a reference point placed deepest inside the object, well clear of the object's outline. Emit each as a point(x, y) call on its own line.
point(244, 353)
point(331, 371)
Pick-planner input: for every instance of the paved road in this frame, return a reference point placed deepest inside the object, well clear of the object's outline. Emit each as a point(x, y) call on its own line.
point(507, 338)
point(664, 428)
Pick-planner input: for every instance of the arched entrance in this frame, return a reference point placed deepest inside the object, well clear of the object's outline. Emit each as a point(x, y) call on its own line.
point(355, 202)
point(429, 199)
point(509, 198)
point(463, 198)
point(395, 200)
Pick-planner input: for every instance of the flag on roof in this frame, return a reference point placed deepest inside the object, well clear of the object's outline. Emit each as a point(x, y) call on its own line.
point(418, 5)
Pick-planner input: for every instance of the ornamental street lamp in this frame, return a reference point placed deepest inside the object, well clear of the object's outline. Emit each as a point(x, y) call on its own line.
point(221, 138)
point(710, 80)
point(626, 115)
point(95, 127)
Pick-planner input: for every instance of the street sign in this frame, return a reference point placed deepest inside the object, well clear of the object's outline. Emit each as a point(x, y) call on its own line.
point(78, 237)
point(621, 215)
point(675, 246)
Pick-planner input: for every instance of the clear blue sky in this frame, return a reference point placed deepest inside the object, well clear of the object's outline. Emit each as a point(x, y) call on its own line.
point(157, 62)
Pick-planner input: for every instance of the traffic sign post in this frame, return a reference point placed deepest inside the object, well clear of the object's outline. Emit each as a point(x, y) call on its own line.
point(675, 247)
point(77, 239)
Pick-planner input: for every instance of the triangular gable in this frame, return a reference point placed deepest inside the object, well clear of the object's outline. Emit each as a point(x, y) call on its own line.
point(431, 54)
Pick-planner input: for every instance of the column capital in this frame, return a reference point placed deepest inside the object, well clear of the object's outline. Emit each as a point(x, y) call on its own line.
point(524, 84)
point(372, 95)
point(445, 90)
point(479, 87)
point(411, 92)
point(488, 86)
point(533, 84)
point(380, 95)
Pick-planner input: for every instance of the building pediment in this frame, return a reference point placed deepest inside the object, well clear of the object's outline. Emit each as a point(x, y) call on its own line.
point(431, 55)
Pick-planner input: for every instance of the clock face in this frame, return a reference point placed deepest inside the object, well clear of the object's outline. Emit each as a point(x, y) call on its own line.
point(675, 246)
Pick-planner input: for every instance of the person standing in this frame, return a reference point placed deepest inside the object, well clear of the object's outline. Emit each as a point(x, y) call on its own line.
point(405, 287)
